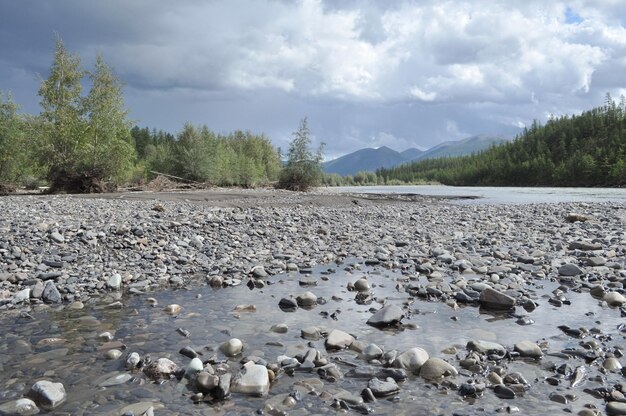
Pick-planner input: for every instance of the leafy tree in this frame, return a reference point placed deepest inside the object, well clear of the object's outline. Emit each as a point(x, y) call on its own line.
point(63, 125)
point(107, 153)
point(12, 151)
point(304, 168)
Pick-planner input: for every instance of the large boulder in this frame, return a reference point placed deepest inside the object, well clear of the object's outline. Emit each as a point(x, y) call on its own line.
point(492, 299)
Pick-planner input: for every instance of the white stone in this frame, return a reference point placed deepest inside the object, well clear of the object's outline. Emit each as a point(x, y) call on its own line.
point(252, 379)
point(48, 395)
point(232, 347)
point(411, 360)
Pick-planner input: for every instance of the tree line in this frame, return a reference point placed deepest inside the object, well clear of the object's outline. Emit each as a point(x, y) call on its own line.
point(87, 143)
point(578, 150)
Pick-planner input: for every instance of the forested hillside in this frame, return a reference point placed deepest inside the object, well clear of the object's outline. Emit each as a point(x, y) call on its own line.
point(580, 150)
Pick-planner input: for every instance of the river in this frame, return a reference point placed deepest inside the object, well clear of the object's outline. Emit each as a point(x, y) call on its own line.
point(499, 195)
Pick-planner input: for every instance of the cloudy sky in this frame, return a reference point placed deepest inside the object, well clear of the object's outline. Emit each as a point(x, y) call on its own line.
point(365, 73)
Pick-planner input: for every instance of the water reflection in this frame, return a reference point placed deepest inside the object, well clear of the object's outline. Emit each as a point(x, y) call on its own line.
point(63, 345)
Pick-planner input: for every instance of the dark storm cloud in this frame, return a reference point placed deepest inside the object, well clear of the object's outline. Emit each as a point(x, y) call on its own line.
point(366, 73)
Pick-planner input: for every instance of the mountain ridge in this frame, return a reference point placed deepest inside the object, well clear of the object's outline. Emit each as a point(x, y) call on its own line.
point(369, 159)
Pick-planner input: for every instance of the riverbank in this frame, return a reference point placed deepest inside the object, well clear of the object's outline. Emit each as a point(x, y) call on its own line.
point(80, 246)
point(342, 298)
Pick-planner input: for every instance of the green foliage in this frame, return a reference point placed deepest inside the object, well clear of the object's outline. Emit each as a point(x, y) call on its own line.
point(62, 136)
point(14, 152)
point(108, 152)
point(84, 141)
point(304, 168)
point(198, 154)
point(582, 150)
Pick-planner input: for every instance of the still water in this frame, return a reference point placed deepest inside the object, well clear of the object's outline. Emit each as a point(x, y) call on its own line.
point(499, 195)
point(62, 345)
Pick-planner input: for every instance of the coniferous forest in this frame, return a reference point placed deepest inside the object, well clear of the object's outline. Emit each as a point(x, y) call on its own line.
point(579, 150)
point(87, 143)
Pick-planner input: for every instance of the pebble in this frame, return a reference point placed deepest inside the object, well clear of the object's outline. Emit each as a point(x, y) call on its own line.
point(493, 299)
point(614, 299)
point(528, 349)
point(232, 347)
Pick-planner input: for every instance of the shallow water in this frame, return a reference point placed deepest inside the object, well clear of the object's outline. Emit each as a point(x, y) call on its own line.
point(499, 194)
point(77, 358)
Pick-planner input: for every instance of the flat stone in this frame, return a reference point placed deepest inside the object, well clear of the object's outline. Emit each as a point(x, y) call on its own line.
point(503, 392)
point(47, 395)
point(21, 407)
point(252, 379)
point(436, 368)
point(584, 246)
point(338, 339)
point(116, 380)
point(280, 328)
point(387, 315)
point(485, 347)
point(528, 349)
point(492, 299)
point(57, 237)
point(382, 388)
point(411, 360)
point(570, 269)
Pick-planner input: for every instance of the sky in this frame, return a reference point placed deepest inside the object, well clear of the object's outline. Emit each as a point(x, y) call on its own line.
point(365, 73)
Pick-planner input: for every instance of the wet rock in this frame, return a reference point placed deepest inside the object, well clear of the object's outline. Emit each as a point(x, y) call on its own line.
point(232, 347)
point(252, 379)
point(371, 352)
point(306, 300)
point(132, 361)
point(485, 347)
point(436, 368)
point(386, 316)
point(338, 339)
point(504, 392)
point(161, 369)
point(189, 352)
point(206, 382)
point(21, 407)
point(493, 299)
point(172, 309)
point(279, 328)
point(194, 366)
point(222, 390)
point(528, 349)
point(383, 388)
point(411, 360)
point(311, 333)
point(116, 380)
point(614, 298)
point(616, 408)
point(47, 394)
point(287, 305)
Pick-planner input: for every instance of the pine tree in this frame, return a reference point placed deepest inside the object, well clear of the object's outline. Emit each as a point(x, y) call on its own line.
point(304, 169)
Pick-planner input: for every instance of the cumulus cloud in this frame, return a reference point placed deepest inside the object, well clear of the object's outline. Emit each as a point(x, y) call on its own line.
point(366, 72)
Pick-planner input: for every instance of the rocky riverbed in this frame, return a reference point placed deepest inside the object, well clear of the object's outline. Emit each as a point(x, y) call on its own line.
point(267, 302)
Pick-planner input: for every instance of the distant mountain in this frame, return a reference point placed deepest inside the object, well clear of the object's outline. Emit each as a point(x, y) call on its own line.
point(371, 159)
point(364, 160)
point(463, 147)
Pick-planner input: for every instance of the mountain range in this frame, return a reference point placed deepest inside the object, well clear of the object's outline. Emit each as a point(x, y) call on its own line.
point(369, 159)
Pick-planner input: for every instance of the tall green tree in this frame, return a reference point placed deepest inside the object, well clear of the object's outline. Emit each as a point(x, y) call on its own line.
point(304, 167)
point(108, 152)
point(62, 121)
point(11, 135)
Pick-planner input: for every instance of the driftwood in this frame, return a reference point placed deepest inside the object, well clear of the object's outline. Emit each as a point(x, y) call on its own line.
point(175, 177)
